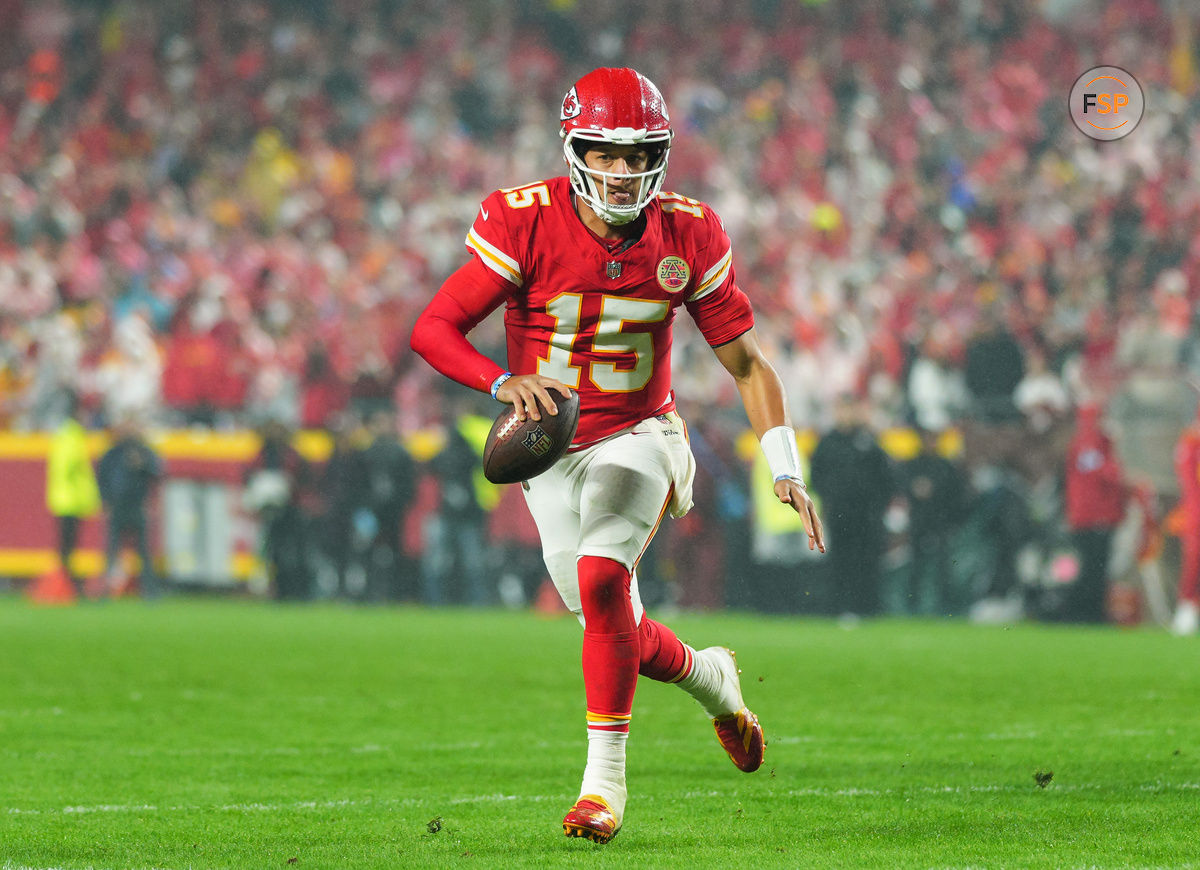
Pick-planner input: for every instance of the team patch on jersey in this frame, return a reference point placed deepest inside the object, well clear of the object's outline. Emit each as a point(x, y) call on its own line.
point(570, 106)
point(673, 273)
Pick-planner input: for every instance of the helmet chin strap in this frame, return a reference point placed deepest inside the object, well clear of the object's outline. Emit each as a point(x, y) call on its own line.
point(615, 218)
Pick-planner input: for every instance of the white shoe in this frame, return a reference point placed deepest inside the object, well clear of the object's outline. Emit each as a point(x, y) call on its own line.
point(1187, 618)
point(714, 682)
point(737, 727)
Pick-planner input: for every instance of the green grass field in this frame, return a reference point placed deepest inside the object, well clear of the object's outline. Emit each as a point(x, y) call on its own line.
point(201, 733)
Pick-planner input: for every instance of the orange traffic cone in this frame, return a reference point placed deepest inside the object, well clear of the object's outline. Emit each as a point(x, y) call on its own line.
point(53, 587)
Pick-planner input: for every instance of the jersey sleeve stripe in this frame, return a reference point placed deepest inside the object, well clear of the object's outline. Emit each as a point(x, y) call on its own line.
point(495, 259)
point(713, 277)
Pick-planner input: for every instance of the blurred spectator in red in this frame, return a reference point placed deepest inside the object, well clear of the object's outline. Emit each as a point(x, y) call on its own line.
point(194, 369)
point(1095, 495)
point(323, 394)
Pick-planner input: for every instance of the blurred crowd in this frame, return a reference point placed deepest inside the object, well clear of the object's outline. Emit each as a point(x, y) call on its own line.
point(223, 215)
point(211, 213)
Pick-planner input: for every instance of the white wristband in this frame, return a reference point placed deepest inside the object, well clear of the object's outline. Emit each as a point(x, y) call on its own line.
point(779, 446)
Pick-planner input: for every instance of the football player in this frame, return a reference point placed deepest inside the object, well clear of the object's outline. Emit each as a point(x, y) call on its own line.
point(592, 269)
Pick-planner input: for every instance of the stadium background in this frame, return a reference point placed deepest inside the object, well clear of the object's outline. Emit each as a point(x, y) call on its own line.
point(212, 217)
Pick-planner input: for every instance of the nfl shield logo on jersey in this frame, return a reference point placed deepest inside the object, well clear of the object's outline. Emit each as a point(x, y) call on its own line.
point(612, 269)
point(673, 274)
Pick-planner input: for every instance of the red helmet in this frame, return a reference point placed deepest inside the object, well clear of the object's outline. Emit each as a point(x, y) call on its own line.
point(622, 107)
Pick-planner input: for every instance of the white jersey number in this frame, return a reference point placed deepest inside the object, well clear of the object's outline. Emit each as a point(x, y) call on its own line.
point(615, 313)
point(524, 197)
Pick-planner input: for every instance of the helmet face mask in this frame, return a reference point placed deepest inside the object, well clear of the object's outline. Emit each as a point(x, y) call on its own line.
point(615, 107)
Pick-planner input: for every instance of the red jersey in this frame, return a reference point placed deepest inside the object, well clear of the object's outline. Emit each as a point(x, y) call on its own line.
point(1095, 491)
point(597, 316)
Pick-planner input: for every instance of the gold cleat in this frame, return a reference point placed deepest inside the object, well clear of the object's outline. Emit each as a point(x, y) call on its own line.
point(591, 818)
point(743, 739)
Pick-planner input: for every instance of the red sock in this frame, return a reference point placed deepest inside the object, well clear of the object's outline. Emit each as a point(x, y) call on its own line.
point(610, 643)
point(664, 656)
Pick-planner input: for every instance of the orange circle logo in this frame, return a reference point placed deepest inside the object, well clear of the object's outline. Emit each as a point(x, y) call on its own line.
point(673, 274)
point(1106, 103)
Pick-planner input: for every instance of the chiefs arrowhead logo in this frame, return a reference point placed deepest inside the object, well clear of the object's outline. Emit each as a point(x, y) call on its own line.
point(570, 106)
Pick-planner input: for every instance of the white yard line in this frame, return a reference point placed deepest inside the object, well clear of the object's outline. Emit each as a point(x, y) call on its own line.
point(497, 798)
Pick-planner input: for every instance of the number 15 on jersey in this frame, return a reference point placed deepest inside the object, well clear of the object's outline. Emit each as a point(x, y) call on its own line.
point(610, 337)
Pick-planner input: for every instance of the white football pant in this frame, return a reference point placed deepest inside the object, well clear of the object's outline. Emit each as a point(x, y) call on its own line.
point(607, 500)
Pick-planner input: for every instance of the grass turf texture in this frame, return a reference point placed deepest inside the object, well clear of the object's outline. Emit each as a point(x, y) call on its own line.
point(234, 734)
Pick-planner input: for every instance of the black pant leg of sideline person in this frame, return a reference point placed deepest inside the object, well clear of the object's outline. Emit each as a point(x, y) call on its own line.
point(1086, 600)
point(68, 534)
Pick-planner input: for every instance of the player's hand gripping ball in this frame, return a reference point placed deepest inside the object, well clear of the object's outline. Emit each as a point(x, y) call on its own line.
point(517, 451)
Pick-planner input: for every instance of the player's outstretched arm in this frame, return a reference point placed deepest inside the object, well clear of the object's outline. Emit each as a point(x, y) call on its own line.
point(766, 407)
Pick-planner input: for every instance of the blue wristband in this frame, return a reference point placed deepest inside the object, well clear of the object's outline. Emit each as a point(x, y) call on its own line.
point(498, 382)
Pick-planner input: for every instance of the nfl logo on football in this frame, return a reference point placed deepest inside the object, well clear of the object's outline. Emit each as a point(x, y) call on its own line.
point(537, 442)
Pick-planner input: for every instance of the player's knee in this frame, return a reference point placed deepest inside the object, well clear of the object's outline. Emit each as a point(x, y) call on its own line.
point(604, 593)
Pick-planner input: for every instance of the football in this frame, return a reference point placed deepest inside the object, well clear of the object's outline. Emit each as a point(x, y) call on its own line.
point(516, 451)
